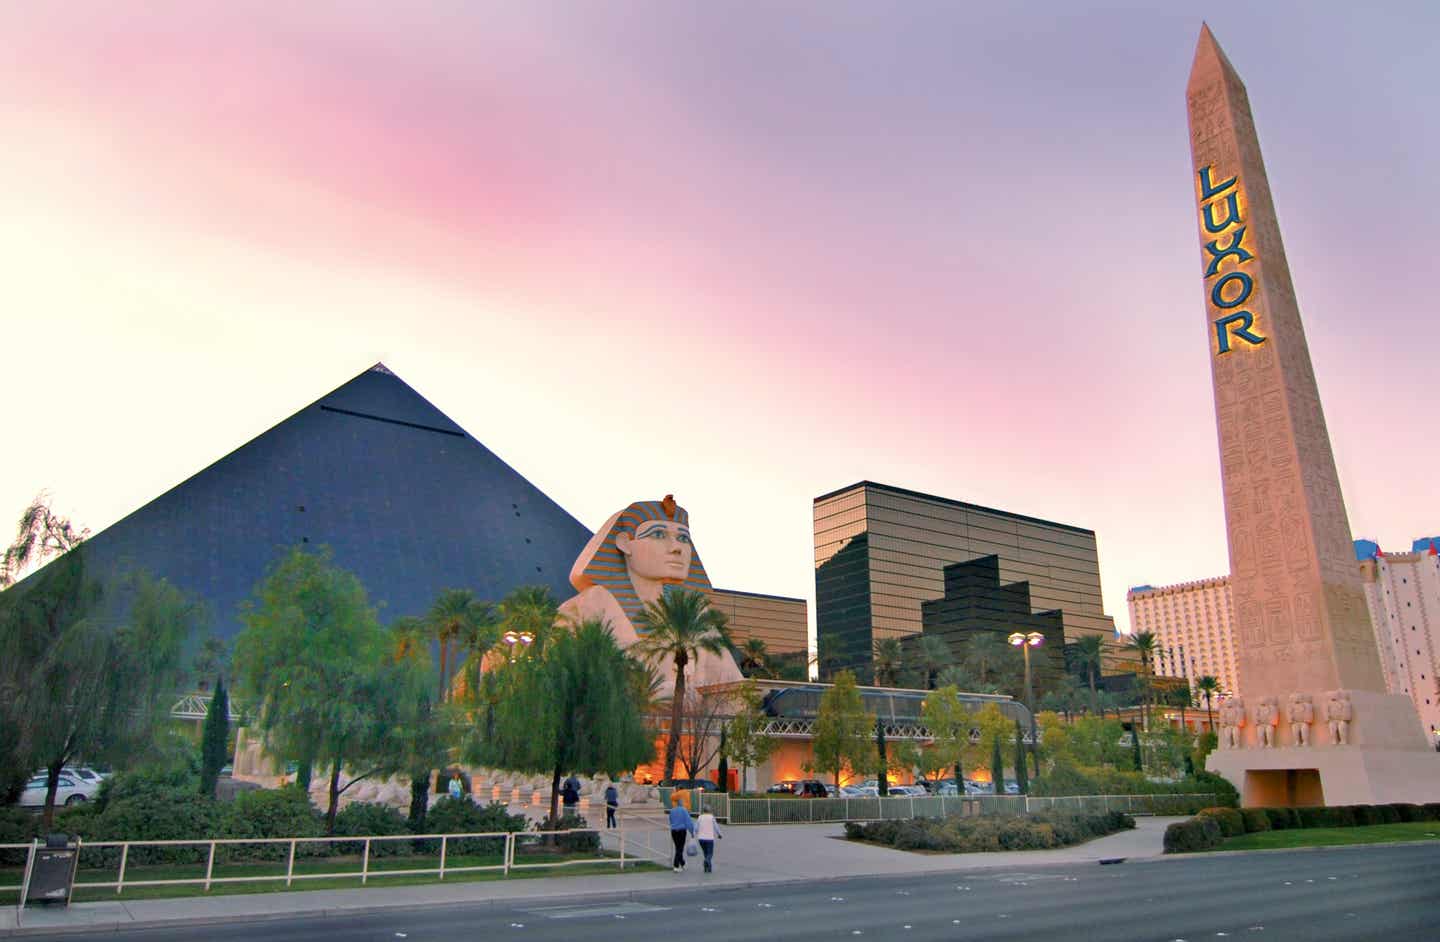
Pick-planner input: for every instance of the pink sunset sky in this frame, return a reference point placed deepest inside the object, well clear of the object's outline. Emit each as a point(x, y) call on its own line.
point(743, 253)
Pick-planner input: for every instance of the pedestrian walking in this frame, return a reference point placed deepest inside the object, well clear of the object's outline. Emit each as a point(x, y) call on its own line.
point(570, 794)
point(707, 831)
point(681, 827)
point(612, 801)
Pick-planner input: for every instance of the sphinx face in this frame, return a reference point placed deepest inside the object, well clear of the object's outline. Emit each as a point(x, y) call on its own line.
point(660, 549)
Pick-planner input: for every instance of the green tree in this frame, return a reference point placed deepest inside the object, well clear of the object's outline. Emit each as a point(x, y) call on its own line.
point(841, 738)
point(211, 660)
point(949, 722)
point(76, 687)
point(1087, 654)
point(1208, 686)
point(932, 655)
point(462, 625)
point(678, 627)
point(569, 707)
point(1022, 772)
point(532, 609)
point(997, 766)
point(1146, 644)
point(745, 740)
point(755, 658)
point(316, 665)
point(215, 739)
point(991, 661)
point(425, 743)
point(41, 534)
point(887, 661)
point(882, 759)
point(1135, 748)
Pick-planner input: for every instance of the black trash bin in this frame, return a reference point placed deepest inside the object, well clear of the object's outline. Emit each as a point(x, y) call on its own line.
point(52, 873)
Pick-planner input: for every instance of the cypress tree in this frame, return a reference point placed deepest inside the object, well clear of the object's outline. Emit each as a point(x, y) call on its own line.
point(1135, 744)
point(215, 740)
point(997, 766)
point(723, 772)
point(883, 757)
point(1022, 772)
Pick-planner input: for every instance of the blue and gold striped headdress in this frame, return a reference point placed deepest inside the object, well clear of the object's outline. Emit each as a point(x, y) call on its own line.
point(602, 563)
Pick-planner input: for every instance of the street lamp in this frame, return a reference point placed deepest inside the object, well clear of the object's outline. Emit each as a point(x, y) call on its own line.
point(512, 639)
point(1025, 641)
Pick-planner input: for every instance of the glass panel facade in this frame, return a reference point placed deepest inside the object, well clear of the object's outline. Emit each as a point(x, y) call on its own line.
point(880, 553)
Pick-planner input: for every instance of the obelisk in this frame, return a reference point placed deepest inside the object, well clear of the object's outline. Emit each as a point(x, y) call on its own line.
point(1316, 725)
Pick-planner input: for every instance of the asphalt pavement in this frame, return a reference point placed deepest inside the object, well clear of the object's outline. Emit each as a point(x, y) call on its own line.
point(1385, 892)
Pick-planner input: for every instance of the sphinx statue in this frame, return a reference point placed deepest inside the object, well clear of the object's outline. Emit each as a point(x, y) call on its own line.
point(1232, 719)
point(1302, 714)
point(1267, 718)
point(1339, 714)
point(630, 561)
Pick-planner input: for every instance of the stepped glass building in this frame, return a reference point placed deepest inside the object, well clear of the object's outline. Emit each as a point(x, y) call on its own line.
point(881, 553)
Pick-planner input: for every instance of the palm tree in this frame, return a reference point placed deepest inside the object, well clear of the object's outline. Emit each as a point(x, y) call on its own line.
point(679, 626)
point(459, 622)
point(532, 609)
point(754, 658)
point(887, 661)
point(931, 656)
point(1146, 643)
point(985, 652)
point(1208, 686)
point(1086, 654)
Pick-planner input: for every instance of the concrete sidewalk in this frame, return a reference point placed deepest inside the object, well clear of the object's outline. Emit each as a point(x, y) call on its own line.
point(746, 856)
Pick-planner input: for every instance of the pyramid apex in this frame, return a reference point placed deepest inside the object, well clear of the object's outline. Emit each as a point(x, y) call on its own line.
point(380, 368)
point(1210, 61)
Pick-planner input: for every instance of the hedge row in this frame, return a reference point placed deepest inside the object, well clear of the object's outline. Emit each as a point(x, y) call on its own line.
point(1209, 829)
point(158, 813)
point(1063, 780)
point(958, 834)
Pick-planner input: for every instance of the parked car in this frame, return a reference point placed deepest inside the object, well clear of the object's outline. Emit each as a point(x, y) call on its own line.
point(704, 784)
point(859, 791)
point(911, 791)
point(70, 791)
point(803, 788)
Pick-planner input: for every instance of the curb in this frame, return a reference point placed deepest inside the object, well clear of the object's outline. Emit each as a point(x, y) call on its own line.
point(1194, 855)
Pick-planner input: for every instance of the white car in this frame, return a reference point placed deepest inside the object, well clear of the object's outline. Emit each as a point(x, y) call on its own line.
point(71, 791)
point(910, 791)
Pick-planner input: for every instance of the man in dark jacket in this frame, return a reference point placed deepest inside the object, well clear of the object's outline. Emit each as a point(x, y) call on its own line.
point(612, 801)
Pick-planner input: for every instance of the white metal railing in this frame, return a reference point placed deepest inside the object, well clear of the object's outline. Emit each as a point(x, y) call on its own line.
point(831, 810)
point(507, 842)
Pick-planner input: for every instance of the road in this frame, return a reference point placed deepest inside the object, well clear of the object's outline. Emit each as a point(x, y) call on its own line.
point(1386, 893)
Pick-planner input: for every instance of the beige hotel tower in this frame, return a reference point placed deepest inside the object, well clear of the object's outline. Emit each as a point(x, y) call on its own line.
point(1315, 724)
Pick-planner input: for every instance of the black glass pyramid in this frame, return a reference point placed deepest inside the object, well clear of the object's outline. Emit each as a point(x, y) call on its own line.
point(406, 499)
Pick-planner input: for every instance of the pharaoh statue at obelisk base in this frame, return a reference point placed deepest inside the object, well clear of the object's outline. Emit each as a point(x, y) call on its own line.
point(629, 563)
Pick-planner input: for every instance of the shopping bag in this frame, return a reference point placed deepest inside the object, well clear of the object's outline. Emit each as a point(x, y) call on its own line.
point(692, 848)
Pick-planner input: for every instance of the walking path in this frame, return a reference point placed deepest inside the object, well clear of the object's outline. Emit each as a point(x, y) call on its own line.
point(746, 856)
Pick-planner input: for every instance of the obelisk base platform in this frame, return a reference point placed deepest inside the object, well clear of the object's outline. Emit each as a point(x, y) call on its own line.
point(1300, 776)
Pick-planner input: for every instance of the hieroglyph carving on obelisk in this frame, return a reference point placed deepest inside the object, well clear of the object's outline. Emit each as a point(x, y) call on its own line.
point(1300, 612)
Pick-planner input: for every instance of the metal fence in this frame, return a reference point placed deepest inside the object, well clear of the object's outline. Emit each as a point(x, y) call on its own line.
point(818, 810)
point(378, 855)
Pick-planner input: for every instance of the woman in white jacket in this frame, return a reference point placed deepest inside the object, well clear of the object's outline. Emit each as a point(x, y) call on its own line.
point(707, 832)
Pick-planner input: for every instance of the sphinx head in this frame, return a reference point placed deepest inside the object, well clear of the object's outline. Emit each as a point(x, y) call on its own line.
point(650, 539)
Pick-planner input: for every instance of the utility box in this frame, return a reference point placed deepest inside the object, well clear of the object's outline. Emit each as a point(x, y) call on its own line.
point(52, 871)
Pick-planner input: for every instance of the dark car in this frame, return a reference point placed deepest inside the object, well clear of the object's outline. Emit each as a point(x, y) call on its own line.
point(704, 784)
point(803, 788)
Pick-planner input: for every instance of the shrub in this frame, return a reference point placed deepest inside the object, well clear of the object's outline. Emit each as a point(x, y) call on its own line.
point(1365, 815)
point(582, 842)
point(158, 814)
point(958, 834)
point(18, 826)
point(363, 819)
point(1430, 811)
point(463, 816)
point(1201, 832)
point(1231, 821)
point(1255, 819)
point(274, 812)
point(1409, 813)
point(1280, 818)
point(1389, 814)
point(1226, 795)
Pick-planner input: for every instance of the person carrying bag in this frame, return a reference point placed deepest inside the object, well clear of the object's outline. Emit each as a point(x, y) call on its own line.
point(681, 827)
point(707, 831)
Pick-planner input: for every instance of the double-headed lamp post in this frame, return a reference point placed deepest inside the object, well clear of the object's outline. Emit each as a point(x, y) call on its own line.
point(517, 641)
point(1025, 641)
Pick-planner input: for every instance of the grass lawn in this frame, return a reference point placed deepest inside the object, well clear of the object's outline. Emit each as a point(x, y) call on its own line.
point(588, 864)
point(1323, 837)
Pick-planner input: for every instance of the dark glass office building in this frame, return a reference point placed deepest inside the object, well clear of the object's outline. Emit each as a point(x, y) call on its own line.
point(881, 554)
